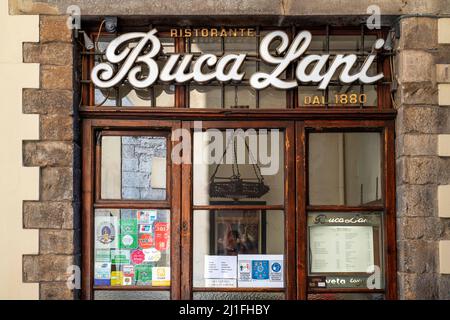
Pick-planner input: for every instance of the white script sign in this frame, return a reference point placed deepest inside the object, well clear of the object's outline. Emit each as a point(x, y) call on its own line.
point(177, 69)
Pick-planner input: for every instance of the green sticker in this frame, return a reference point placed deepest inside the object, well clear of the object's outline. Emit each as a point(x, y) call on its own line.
point(102, 255)
point(119, 256)
point(128, 234)
point(143, 274)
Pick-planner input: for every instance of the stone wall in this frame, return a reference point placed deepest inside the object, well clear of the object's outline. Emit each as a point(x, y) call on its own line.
point(420, 170)
point(56, 213)
point(420, 123)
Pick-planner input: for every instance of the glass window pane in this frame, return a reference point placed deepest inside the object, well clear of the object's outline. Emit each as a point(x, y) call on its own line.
point(345, 249)
point(205, 96)
point(132, 247)
point(133, 167)
point(238, 296)
point(240, 97)
point(310, 96)
point(239, 45)
point(272, 98)
point(131, 295)
point(345, 168)
point(255, 174)
point(346, 296)
point(245, 240)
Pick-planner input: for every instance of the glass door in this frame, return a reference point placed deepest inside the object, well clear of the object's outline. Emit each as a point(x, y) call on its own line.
point(238, 211)
point(131, 235)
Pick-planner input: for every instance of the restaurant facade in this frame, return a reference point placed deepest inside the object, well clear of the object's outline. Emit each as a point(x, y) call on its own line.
point(226, 150)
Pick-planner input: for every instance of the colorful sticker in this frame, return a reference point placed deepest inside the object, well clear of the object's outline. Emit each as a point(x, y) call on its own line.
point(145, 228)
point(137, 256)
point(119, 256)
point(161, 276)
point(145, 241)
point(161, 236)
point(102, 274)
point(152, 255)
point(147, 216)
point(260, 270)
point(128, 233)
point(106, 232)
point(116, 278)
point(143, 274)
point(128, 275)
point(102, 255)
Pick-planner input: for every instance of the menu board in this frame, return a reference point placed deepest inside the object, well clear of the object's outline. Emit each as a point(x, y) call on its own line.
point(338, 249)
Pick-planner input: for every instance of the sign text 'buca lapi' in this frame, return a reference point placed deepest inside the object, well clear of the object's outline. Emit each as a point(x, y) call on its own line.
point(138, 65)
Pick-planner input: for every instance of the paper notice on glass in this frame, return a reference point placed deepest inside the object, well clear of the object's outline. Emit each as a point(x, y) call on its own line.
point(260, 271)
point(341, 248)
point(220, 267)
point(220, 283)
point(106, 232)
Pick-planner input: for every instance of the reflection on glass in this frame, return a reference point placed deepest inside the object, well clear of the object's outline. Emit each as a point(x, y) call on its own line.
point(131, 295)
point(132, 247)
point(240, 45)
point(238, 296)
point(346, 296)
point(345, 168)
point(272, 98)
point(235, 234)
point(133, 167)
point(240, 97)
point(259, 164)
point(205, 96)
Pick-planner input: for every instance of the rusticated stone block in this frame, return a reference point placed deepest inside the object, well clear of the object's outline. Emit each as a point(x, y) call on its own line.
point(55, 291)
point(416, 200)
point(444, 287)
point(56, 184)
point(417, 256)
point(416, 145)
point(54, 28)
point(57, 127)
point(56, 77)
point(47, 153)
point(419, 228)
point(413, 286)
point(48, 215)
point(416, 66)
point(419, 93)
point(55, 53)
point(48, 267)
point(57, 241)
point(54, 102)
point(417, 170)
point(444, 171)
point(418, 119)
point(418, 33)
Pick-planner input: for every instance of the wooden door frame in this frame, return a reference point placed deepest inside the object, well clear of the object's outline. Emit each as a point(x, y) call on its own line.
point(88, 188)
point(387, 130)
point(288, 206)
point(295, 196)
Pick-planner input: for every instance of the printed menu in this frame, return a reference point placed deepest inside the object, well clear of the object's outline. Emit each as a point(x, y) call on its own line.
point(336, 249)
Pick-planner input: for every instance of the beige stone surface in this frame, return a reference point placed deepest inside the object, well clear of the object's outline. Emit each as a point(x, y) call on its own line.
point(443, 73)
point(16, 183)
point(444, 145)
point(227, 7)
point(444, 94)
point(444, 256)
point(444, 201)
point(444, 30)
